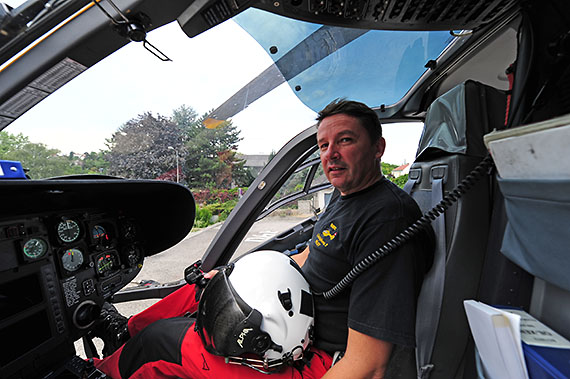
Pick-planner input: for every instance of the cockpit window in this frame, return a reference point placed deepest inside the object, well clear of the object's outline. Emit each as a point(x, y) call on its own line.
point(322, 63)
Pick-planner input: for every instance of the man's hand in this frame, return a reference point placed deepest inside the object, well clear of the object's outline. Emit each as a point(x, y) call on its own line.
point(365, 357)
point(210, 274)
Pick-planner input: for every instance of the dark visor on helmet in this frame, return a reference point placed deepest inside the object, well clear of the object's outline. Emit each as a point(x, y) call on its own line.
point(226, 324)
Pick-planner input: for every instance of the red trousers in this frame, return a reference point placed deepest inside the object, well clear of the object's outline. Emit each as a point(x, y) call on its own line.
point(191, 359)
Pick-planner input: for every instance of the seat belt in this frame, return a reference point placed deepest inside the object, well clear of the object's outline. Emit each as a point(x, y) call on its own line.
point(409, 185)
point(431, 294)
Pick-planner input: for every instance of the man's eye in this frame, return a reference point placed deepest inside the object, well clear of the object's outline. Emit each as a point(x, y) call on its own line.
point(345, 139)
point(323, 146)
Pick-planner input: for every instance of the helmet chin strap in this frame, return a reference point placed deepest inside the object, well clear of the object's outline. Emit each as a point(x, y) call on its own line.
point(267, 366)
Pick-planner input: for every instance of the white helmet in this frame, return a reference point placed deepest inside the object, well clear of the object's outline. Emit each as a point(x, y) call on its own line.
point(260, 304)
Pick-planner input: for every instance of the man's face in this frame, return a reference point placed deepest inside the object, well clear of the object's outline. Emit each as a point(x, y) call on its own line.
point(349, 158)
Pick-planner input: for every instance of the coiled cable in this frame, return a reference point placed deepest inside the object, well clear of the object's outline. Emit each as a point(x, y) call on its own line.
point(412, 230)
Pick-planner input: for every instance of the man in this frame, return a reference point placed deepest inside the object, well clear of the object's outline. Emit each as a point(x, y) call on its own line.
point(379, 308)
point(364, 322)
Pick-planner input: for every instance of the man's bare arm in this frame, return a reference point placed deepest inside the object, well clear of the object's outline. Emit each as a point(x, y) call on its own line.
point(301, 257)
point(365, 357)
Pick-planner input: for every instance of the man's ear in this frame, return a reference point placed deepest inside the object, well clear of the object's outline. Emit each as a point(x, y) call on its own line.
point(380, 147)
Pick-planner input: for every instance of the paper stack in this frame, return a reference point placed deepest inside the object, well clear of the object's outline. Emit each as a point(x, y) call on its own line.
point(513, 344)
point(498, 340)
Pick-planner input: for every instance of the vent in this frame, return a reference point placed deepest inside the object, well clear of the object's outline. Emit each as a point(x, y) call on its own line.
point(217, 13)
point(412, 14)
point(442, 12)
point(350, 9)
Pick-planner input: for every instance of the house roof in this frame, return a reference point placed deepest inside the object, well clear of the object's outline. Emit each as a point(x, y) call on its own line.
point(254, 160)
point(401, 168)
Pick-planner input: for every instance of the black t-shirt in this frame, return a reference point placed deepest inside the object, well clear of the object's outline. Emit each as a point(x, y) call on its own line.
point(381, 302)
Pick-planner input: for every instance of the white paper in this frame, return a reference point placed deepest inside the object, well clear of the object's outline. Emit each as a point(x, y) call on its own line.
point(495, 334)
point(535, 333)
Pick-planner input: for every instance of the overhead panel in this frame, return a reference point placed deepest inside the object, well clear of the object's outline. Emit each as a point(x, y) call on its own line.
point(365, 14)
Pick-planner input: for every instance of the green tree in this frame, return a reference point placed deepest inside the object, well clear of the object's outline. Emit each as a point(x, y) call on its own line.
point(186, 118)
point(211, 160)
point(387, 168)
point(95, 162)
point(145, 147)
point(401, 180)
point(10, 143)
point(39, 160)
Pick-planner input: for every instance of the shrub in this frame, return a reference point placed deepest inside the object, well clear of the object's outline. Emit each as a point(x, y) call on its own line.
point(203, 217)
point(205, 212)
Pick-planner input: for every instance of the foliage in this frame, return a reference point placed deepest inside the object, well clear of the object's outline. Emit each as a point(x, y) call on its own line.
point(400, 181)
point(207, 196)
point(217, 203)
point(145, 147)
point(205, 213)
point(387, 168)
point(185, 118)
point(203, 217)
point(95, 163)
point(10, 143)
point(211, 160)
point(43, 162)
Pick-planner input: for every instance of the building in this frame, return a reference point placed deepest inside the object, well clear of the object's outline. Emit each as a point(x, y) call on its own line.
point(254, 162)
point(401, 170)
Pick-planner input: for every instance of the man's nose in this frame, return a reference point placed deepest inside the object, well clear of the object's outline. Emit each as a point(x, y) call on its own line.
point(332, 153)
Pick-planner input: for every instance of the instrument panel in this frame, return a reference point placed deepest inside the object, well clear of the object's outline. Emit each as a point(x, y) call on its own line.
point(88, 254)
point(62, 255)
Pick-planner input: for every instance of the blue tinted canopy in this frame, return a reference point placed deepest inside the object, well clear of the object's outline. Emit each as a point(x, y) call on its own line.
point(321, 63)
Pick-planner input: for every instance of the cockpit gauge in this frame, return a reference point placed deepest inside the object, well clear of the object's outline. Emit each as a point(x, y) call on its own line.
point(72, 259)
point(35, 248)
point(68, 230)
point(106, 263)
point(133, 256)
point(100, 236)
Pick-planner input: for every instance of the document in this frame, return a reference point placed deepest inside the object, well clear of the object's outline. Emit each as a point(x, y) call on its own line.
point(498, 340)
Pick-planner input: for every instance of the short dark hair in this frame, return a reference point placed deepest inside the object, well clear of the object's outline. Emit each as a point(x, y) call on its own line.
point(367, 117)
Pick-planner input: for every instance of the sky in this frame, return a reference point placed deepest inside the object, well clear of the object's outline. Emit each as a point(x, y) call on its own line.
point(205, 71)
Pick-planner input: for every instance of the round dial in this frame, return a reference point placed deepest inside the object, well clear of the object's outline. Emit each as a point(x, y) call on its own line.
point(106, 263)
point(100, 236)
point(133, 256)
point(35, 248)
point(72, 259)
point(68, 230)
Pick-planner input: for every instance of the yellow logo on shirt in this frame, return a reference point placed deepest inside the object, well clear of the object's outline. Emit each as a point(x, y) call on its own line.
point(326, 235)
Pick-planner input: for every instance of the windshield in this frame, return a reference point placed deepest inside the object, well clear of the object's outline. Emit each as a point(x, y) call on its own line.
point(321, 63)
point(135, 116)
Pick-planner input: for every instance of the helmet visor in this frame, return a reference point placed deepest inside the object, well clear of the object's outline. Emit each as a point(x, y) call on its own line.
point(226, 324)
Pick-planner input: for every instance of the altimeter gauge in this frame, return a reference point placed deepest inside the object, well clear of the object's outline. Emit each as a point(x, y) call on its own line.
point(68, 230)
